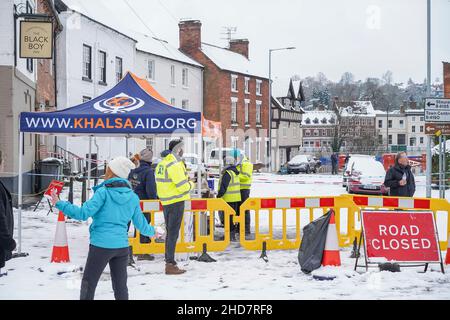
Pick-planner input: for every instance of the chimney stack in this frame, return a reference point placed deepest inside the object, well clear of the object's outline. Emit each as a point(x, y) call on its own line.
point(190, 35)
point(239, 46)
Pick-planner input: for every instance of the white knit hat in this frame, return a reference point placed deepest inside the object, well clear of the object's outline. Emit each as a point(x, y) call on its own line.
point(121, 167)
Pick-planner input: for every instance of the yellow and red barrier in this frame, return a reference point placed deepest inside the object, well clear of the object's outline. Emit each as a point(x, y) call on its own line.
point(288, 235)
point(268, 240)
point(200, 241)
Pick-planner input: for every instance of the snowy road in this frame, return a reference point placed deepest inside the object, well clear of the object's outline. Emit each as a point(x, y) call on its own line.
point(237, 274)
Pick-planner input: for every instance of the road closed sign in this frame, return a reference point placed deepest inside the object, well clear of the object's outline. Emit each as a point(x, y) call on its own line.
point(400, 236)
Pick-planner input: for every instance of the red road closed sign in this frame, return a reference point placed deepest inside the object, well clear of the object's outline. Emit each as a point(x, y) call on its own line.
point(400, 236)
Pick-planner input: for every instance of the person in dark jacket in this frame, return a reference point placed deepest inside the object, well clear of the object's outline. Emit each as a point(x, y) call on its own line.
point(143, 182)
point(229, 190)
point(7, 243)
point(334, 163)
point(399, 178)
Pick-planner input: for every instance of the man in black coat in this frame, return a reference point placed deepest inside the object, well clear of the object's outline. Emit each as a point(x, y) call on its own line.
point(399, 178)
point(142, 180)
point(7, 243)
point(334, 163)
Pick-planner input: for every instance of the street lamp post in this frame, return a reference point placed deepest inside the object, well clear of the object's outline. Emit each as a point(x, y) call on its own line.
point(387, 128)
point(270, 102)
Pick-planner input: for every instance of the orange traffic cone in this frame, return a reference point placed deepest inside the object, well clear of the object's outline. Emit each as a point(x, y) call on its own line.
point(447, 255)
point(60, 251)
point(331, 256)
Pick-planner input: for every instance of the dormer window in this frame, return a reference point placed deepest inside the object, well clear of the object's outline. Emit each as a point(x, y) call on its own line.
point(308, 121)
point(324, 120)
point(316, 120)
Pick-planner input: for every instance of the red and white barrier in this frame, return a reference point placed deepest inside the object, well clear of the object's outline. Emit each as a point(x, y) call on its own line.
point(392, 202)
point(274, 203)
point(188, 205)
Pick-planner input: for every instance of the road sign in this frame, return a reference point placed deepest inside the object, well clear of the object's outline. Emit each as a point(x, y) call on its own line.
point(433, 128)
point(437, 110)
point(402, 236)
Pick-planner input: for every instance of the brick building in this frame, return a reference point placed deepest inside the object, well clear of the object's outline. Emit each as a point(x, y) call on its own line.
point(235, 91)
point(446, 66)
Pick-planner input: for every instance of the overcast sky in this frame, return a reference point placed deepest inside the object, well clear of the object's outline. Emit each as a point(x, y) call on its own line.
point(365, 37)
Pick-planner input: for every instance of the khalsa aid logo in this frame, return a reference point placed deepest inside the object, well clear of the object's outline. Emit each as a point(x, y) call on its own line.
point(120, 103)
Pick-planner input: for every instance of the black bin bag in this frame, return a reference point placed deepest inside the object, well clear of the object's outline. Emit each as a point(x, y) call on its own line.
point(313, 243)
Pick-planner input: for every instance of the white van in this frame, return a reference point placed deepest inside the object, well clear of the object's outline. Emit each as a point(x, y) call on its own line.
point(214, 162)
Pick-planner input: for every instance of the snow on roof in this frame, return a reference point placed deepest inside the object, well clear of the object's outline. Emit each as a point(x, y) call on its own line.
point(280, 105)
point(319, 118)
point(161, 48)
point(226, 59)
point(96, 11)
point(359, 108)
point(296, 86)
point(415, 111)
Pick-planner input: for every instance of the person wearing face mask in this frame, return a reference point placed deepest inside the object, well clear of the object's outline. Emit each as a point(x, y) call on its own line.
point(173, 188)
point(399, 178)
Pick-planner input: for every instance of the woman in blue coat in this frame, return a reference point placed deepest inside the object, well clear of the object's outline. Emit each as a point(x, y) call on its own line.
point(112, 206)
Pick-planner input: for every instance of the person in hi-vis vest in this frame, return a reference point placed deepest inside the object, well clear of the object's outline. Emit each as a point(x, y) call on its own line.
point(245, 168)
point(229, 189)
point(173, 188)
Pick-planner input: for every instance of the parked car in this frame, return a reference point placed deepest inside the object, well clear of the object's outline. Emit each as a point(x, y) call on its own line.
point(302, 163)
point(353, 158)
point(366, 177)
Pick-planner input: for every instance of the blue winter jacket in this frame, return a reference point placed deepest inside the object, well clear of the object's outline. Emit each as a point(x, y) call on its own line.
point(112, 206)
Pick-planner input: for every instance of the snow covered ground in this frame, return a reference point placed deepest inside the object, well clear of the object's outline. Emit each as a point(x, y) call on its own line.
point(237, 274)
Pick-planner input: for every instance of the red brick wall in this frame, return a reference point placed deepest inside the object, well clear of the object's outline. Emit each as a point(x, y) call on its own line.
point(45, 86)
point(240, 46)
point(446, 79)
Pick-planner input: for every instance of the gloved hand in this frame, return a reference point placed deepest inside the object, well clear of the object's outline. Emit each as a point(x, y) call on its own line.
point(159, 233)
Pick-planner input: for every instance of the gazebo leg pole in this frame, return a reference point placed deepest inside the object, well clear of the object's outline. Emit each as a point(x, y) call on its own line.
point(19, 200)
point(126, 147)
point(200, 162)
point(89, 168)
point(220, 155)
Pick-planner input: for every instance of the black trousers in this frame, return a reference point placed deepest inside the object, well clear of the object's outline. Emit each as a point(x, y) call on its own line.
point(245, 194)
point(96, 262)
point(143, 239)
point(173, 217)
point(334, 168)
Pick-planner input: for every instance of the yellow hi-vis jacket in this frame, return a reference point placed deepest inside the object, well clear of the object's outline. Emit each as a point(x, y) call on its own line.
point(172, 183)
point(233, 192)
point(245, 173)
